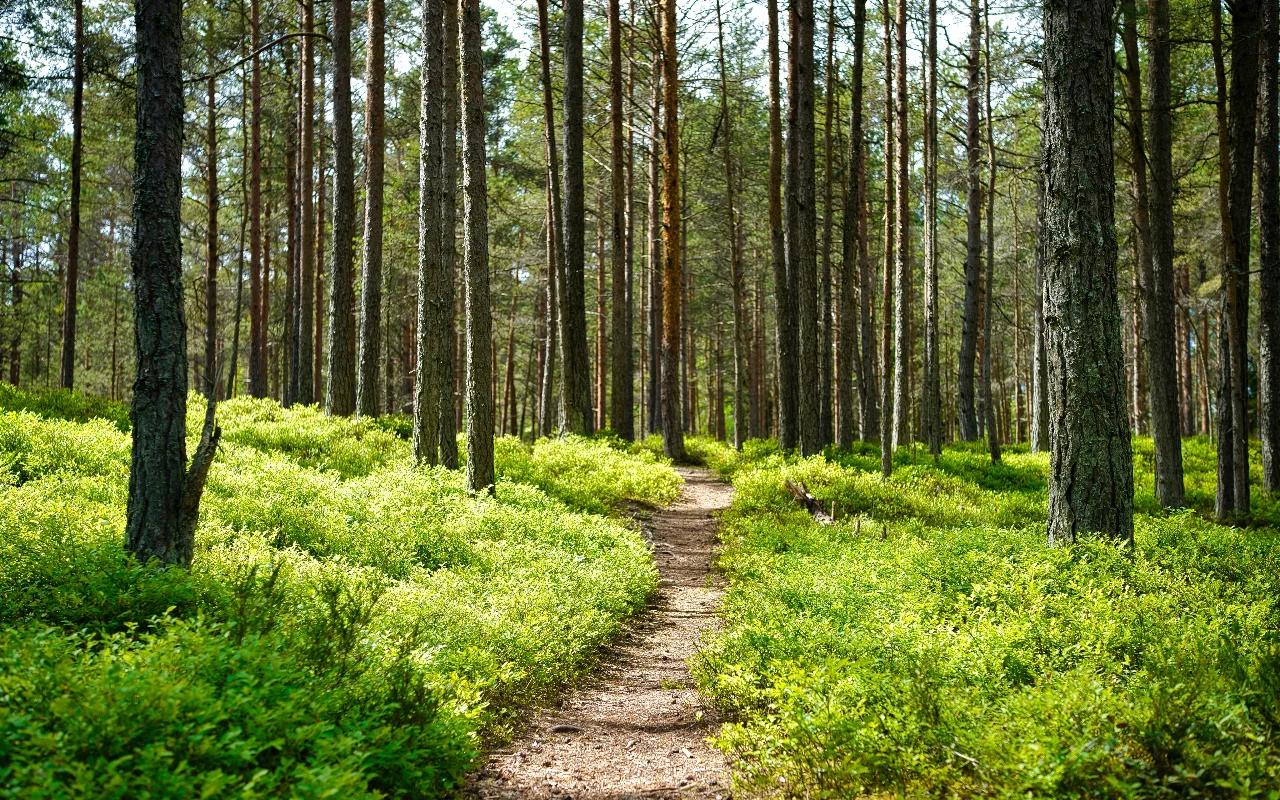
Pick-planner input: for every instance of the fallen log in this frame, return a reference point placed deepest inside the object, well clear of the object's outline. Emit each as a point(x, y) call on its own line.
point(811, 504)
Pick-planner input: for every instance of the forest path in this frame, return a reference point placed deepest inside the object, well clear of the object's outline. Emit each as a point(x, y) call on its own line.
point(637, 728)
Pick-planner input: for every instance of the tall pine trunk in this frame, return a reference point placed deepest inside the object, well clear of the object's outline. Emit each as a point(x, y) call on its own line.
point(969, 327)
point(369, 355)
point(1090, 460)
point(475, 257)
point(850, 361)
point(1269, 250)
point(621, 412)
point(429, 388)
point(672, 279)
point(931, 411)
point(340, 397)
point(787, 320)
point(1161, 322)
point(70, 301)
point(304, 368)
point(258, 279)
point(164, 496)
point(576, 375)
point(902, 345)
point(801, 218)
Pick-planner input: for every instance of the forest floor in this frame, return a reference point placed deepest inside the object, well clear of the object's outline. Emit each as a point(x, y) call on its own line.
point(637, 728)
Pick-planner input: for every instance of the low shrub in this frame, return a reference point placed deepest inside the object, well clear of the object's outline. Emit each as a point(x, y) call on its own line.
point(351, 626)
point(930, 643)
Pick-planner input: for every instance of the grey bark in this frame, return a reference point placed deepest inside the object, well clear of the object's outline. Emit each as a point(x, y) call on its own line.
point(965, 411)
point(851, 358)
point(555, 236)
point(621, 412)
point(931, 411)
point(475, 258)
point(655, 250)
point(887, 268)
point(369, 356)
point(787, 319)
point(673, 426)
point(429, 387)
point(902, 344)
point(340, 397)
point(1040, 356)
point(446, 329)
point(304, 371)
point(1090, 460)
point(71, 287)
point(801, 217)
point(258, 279)
point(575, 399)
point(988, 299)
point(1161, 323)
point(164, 496)
point(1269, 251)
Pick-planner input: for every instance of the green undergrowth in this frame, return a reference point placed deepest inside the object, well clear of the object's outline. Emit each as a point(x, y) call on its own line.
point(351, 627)
point(930, 644)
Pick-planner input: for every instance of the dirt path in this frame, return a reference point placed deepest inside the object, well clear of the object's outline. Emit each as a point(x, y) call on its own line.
point(637, 729)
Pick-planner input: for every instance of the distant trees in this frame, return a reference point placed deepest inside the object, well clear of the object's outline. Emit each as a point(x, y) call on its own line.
point(1090, 456)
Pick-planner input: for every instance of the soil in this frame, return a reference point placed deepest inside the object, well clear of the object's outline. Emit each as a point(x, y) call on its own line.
point(637, 728)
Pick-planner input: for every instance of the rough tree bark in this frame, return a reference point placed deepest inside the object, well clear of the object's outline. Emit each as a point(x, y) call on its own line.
point(787, 320)
point(555, 237)
point(70, 301)
point(258, 280)
point(801, 217)
point(1161, 323)
point(673, 427)
point(1233, 445)
point(475, 257)
point(340, 396)
point(307, 222)
point(428, 387)
point(902, 345)
point(621, 412)
point(1090, 460)
point(741, 409)
point(1040, 356)
point(931, 411)
point(446, 330)
point(164, 496)
point(211, 226)
point(850, 361)
point(988, 292)
point(887, 268)
point(966, 411)
point(576, 376)
point(369, 361)
point(826, 339)
point(1269, 250)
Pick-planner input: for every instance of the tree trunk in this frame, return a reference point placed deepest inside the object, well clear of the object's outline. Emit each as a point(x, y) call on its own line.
point(887, 266)
point(164, 497)
point(655, 249)
point(307, 223)
point(969, 329)
point(447, 332)
point(211, 228)
point(1161, 330)
point(430, 388)
point(257, 271)
point(672, 279)
point(576, 375)
point(1040, 355)
point(1090, 460)
point(289, 361)
point(787, 321)
point(547, 399)
point(602, 323)
point(555, 240)
point(826, 340)
point(801, 218)
point(341, 396)
point(1141, 204)
point(621, 413)
point(931, 412)
point(71, 287)
point(849, 360)
point(988, 300)
point(741, 403)
point(369, 357)
point(902, 249)
point(1269, 251)
point(475, 257)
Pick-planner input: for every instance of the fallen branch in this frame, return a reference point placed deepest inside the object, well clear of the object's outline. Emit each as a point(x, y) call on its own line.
point(814, 506)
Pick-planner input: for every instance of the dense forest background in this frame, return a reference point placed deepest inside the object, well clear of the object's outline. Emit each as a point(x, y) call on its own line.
point(258, 221)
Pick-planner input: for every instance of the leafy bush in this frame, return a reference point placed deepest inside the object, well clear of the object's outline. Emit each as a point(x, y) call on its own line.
point(588, 473)
point(930, 643)
point(67, 404)
point(350, 627)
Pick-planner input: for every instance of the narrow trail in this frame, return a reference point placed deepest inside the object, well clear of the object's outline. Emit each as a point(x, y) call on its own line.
point(637, 728)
